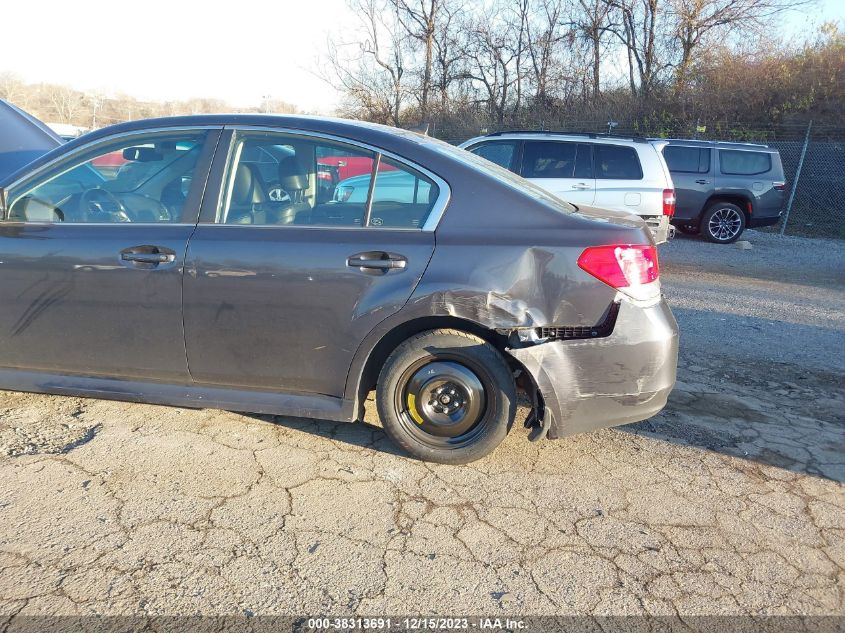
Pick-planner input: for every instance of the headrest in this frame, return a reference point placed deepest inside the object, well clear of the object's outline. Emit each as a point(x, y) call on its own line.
point(292, 175)
point(294, 182)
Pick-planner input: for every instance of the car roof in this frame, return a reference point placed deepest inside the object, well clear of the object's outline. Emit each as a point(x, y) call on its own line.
point(365, 132)
point(295, 122)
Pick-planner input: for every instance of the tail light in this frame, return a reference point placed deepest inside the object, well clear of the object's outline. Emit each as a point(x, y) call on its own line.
point(630, 268)
point(669, 202)
point(780, 185)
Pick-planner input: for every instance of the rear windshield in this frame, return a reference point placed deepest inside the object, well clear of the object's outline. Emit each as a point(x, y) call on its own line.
point(744, 163)
point(688, 160)
point(499, 173)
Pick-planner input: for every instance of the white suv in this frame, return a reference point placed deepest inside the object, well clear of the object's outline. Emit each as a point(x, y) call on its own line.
point(625, 174)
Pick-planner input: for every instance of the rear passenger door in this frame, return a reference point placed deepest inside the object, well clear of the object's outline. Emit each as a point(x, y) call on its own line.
point(280, 290)
point(692, 173)
point(564, 169)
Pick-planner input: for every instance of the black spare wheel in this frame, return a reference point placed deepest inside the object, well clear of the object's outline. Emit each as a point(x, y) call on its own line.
point(446, 396)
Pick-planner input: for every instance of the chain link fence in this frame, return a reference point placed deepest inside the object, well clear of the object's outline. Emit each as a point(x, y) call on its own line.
point(815, 201)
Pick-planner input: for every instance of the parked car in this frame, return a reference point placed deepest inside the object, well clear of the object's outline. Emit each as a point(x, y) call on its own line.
point(625, 174)
point(222, 295)
point(722, 188)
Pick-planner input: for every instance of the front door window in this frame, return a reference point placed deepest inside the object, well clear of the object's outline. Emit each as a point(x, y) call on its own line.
point(141, 179)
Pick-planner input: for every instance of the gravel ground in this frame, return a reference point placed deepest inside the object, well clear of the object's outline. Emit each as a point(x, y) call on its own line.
point(781, 301)
point(728, 502)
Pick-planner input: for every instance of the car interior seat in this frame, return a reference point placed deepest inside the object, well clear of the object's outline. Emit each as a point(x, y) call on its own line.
point(247, 193)
point(293, 179)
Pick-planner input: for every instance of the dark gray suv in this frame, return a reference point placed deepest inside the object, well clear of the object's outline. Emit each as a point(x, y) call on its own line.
point(216, 261)
point(721, 188)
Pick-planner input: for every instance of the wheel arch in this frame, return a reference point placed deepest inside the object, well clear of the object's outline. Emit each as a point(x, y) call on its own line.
point(373, 353)
point(743, 200)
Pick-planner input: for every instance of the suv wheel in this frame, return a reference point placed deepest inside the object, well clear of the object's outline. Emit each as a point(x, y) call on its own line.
point(723, 223)
point(446, 396)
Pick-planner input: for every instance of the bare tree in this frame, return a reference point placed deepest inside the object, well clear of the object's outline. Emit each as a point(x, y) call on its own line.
point(419, 20)
point(696, 20)
point(593, 24)
point(373, 75)
point(12, 87)
point(66, 102)
point(448, 56)
point(544, 36)
point(493, 47)
point(641, 34)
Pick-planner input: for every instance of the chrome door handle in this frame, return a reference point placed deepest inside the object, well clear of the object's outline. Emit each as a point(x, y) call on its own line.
point(377, 261)
point(581, 186)
point(378, 264)
point(702, 182)
point(148, 258)
point(147, 255)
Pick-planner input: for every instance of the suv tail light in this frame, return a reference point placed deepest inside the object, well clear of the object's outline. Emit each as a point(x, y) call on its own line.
point(669, 202)
point(630, 268)
point(780, 185)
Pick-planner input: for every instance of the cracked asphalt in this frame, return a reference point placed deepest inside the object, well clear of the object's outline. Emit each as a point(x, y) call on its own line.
point(729, 502)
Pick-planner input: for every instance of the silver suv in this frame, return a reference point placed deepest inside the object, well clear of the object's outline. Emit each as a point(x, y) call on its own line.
point(625, 174)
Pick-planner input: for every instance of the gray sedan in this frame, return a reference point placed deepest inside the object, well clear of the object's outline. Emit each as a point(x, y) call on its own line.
point(217, 261)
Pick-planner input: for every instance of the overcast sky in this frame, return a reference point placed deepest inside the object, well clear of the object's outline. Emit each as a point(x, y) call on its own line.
point(240, 51)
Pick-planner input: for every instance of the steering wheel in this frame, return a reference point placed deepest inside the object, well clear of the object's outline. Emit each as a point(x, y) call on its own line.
point(95, 202)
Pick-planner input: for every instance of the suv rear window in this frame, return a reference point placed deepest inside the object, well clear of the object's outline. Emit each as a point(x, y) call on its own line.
point(744, 163)
point(500, 153)
point(690, 160)
point(616, 162)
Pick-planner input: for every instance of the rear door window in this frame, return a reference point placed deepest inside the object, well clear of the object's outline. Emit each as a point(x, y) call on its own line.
point(744, 163)
point(548, 159)
point(500, 152)
point(401, 197)
point(315, 182)
point(689, 160)
point(617, 162)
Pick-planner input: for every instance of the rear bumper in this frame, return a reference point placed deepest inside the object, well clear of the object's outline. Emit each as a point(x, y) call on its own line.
point(755, 221)
point(598, 383)
point(660, 227)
